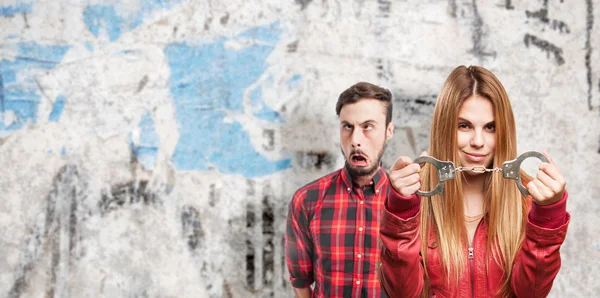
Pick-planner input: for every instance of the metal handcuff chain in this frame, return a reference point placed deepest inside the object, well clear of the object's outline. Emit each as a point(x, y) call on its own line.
point(447, 171)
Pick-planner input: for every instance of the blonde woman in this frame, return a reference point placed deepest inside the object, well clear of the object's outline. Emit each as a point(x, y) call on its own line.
point(479, 237)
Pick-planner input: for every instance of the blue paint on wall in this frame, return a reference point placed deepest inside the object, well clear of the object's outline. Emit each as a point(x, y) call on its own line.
point(96, 17)
point(146, 150)
point(293, 81)
point(108, 17)
point(22, 96)
point(9, 75)
point(260, 109)
point(1, 95)
point(207, 82)
point(264, 35)
point(46, 56)
point(89, 46)
point(57, 108)
point(9, 10)
point(24, 104)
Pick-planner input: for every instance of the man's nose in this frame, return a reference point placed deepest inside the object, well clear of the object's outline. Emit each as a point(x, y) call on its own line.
point(356, 138)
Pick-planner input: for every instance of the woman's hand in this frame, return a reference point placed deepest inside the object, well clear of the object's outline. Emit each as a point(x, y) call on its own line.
point(404, 176)
point(548, 187)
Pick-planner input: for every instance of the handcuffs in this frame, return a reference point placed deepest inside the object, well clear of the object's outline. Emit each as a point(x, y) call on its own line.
point(446, 171)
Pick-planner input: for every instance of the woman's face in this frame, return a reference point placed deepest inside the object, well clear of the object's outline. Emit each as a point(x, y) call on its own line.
point(476, 132)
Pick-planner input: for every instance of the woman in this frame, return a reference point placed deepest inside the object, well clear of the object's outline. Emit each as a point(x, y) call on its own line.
point(480, 237)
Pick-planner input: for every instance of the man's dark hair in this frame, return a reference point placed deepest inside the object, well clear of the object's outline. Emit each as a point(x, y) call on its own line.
point(363, 90)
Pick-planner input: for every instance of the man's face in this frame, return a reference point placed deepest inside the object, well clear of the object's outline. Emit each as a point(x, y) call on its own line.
point(363, 135)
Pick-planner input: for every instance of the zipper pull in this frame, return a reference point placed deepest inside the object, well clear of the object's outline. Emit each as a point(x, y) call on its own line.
point(470, 253)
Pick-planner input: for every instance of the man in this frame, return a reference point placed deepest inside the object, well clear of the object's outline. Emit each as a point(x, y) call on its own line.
point(332, 237)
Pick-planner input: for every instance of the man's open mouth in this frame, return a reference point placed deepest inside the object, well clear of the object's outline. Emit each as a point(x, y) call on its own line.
point(358, 160)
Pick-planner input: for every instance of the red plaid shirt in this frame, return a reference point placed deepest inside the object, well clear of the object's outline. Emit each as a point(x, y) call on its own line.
point(332, 235)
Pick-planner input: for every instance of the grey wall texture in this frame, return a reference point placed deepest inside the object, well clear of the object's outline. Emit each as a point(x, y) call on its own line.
point(149, 148)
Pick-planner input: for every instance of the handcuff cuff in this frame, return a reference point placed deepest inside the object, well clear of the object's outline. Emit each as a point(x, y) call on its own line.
point(447, 171)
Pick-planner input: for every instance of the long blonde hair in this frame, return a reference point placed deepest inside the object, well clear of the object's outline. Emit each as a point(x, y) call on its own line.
point(506, 208)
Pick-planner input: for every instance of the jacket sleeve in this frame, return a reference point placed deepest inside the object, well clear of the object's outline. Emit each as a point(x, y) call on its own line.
point(298, 244)
point(401, 270)
point(538, 261)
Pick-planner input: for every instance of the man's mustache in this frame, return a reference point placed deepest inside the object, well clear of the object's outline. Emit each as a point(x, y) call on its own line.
point(357, 151)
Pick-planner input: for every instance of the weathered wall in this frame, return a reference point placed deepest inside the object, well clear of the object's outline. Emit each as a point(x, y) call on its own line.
point(149, 148)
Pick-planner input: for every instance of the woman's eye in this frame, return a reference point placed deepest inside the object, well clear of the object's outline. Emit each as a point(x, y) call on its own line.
point(463, 126)
point(490, 127)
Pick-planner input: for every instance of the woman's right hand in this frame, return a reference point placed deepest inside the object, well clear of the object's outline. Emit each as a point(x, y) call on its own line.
point(404, 176)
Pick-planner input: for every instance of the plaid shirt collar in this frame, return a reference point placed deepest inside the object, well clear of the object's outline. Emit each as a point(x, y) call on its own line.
point(378, 180)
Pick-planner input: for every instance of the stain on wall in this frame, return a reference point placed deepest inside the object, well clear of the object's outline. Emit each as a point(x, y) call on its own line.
point(150, 149)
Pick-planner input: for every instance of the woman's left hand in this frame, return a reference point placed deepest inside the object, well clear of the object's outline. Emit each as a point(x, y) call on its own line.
point(548, 187)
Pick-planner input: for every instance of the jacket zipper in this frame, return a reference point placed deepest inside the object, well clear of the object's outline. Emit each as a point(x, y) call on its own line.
point(472, 261)
point(472, 272)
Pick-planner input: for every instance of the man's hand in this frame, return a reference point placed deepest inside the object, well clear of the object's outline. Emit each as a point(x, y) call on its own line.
point(548, 187)
point(303, 292)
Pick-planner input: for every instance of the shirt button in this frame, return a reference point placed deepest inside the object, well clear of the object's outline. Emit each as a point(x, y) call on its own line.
point(358, 256)
point(348, 188)
point(361, 202)
point(360, 229)
point(358, 282)
point(377, 191)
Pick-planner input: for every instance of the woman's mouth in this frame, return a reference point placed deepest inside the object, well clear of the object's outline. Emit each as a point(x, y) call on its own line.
point(475, 157)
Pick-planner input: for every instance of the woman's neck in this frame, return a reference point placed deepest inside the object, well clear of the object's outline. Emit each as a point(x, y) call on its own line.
point(474, 195)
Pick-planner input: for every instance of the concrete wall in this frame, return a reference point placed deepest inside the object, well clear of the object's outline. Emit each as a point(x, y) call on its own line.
point(149, 148)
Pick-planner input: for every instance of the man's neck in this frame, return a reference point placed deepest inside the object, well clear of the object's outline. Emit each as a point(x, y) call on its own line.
point(364, 180)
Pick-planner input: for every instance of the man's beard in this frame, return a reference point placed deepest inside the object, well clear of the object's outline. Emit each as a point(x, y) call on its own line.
point(363, 171)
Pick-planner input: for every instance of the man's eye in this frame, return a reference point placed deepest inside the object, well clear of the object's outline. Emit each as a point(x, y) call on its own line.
point(368, 127)
point(347, 126)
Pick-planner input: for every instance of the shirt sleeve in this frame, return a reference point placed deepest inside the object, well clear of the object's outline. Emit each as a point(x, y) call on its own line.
point(298, 244)
point(402, 271)
point(538, 261)
point(550, 216)
point(402, 207)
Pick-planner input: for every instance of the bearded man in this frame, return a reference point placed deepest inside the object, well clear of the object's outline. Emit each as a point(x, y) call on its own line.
point(332, 232)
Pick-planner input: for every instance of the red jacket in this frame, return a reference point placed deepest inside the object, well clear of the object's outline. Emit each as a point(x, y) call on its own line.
point(536, 265)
